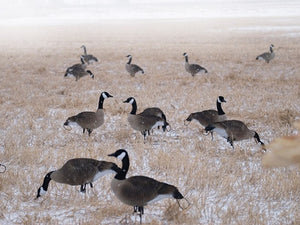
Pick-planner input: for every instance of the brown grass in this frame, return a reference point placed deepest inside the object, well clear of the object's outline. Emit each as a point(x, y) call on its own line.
point(225, 186)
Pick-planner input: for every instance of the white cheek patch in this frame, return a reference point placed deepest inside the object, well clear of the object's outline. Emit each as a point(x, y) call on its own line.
point(159, 197)
point(104, 95)
point(42, 191)
point(121, 156)
point(131, 101)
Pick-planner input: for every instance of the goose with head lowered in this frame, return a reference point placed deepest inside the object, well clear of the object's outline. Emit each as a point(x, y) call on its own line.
point(155, 111)
point(78, 71)
point(78, 171)
point(89, 120)
point(88, 58)
point(267, 56)
point(192, 68)
point(209, 116)
point(142, 122)
point(139, 191)
point(132, 69)
point(233, 130)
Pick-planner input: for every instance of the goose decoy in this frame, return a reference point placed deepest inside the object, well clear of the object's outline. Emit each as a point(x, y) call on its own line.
point(90, 120)
point(132, 69)
point(88, 58)
point(78, 171)
point(139, 191)
point(141, 122)
point(267, 56)
point(233, 130)
point(78, 71)
point(210, 116)
point(155, 111)
point(192, 68)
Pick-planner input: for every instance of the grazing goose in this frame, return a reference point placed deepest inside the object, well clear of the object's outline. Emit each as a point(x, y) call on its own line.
point(192, 68)
point(141, 122)
point(90, 120)
point(155, 111)
point(267, 56)
point(78, 71)
point(132, 69)
point(88, 58)
point(139, 191)
point(210, 116)
point(78, 171)
point(233, 130)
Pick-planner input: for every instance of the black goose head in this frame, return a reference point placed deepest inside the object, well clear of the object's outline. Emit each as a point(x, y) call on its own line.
point(221, 99)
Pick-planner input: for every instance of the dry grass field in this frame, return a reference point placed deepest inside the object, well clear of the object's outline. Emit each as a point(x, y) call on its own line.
point(224, 186)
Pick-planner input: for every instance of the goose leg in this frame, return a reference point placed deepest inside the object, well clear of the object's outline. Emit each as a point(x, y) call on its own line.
point(91, 185)
point(90, 131)
point(83, 130)
point(141, 212)
point(82, 188)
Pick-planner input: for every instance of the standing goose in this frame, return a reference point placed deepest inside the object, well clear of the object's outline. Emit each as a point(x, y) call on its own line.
point(141, 122)
point(192, 68)
point(88, 58)
point(78, 71)
point(132, 69)
point(233, 130)
point(155, 111)
point(210, 116)
point(90, 120)
point(78, 171)
point(267, 56)
point(139, 191)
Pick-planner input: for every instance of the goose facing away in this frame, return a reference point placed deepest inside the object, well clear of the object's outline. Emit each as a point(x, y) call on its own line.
point(233, 130)
point(88, 58)
point(141, 122)
point(192, 68)
point(155, 111)
point(78, 171)
point(90, 120)
point(210, 116)
point(132, 69)
point(267, 56)
point(78, 71)
point(139, 191)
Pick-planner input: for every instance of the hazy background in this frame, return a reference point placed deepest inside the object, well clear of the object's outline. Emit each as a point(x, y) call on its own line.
point(92, 11)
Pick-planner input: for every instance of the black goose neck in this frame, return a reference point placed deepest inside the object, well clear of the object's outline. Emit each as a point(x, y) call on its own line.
point(134, 108)
point(219, 107)
point(121, 175)
point(186, 58)
point(129, 61)
point(47, 179)
point(101, 100)
point(271, 49)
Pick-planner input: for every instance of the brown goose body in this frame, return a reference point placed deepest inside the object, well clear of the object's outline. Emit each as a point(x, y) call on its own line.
point(78, 171)
point(192, 68)
point(210, 116)
point(89, 120)
point(138, 191)
point(267, 56)
point(233, 130)
point(78, 71)
point(142, 122)
point(132, 69)
point(155, 111)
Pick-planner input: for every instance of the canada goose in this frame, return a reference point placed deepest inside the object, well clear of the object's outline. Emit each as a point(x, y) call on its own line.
point(210, 116)
point(90, 120)
point(155, 111)
point(139, 191)
point(3, 168)
point(233, 130)
point(141, 122)
point(78, 171)
point(78, 71)
point(88, 58)
point(267, 56)
point(192, 68)
point(132, 69)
